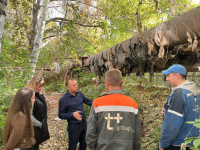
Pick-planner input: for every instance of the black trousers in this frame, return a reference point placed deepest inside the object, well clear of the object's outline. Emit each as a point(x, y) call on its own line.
point(77, 133)
point(175, 148)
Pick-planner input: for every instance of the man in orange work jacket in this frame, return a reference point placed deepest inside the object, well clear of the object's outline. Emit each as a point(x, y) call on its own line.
point(114, 121)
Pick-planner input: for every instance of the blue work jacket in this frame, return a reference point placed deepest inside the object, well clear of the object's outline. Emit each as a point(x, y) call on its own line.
point(181, 106)
point(69, 104)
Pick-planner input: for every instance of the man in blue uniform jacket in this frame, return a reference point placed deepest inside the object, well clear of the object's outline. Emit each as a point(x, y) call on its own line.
point(71, 108)
point(181, 106)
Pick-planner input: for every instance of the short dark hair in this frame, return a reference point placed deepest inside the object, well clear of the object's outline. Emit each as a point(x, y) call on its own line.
point(67, 81)
point(182, 76)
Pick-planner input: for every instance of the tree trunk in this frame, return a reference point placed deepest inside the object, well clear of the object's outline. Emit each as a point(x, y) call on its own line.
point(39, 35)
point(3, 6)
point(32, 34)
point(154, 47)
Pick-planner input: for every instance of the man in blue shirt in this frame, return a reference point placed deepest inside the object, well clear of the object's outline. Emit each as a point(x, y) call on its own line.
point(71, 108)
point(182, 105)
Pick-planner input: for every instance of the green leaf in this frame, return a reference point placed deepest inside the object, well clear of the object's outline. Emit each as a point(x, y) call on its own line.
point(197, 125)
point(188, 140)
point(190, 122)
point(197, 120)
point(196, 142)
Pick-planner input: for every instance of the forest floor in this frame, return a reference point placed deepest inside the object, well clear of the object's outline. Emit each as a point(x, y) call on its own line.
point(57, 127)
point(150, 102)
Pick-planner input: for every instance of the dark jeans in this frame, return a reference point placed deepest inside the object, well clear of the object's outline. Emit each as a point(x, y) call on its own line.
point(77, 133)
point(175, 148)
point(34, 147)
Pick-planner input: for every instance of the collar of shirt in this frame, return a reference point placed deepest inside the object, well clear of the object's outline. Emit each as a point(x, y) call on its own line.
point(115, 91)
point(70, 95)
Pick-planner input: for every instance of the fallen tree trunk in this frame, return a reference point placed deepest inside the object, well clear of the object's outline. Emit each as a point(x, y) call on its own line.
point(152, 50)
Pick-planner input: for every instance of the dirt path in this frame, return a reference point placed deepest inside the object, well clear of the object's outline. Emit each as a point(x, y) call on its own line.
point(57, 129)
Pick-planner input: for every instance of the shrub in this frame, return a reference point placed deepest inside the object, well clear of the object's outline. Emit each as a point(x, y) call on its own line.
point(6, 99)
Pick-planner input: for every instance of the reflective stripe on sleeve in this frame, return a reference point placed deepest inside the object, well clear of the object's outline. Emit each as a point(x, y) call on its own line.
point(176, 113)
point(116, 108)
point(189, 94)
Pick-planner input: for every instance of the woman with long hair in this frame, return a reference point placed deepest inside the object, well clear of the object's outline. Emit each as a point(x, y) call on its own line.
point(18, 130)
point(39, 113)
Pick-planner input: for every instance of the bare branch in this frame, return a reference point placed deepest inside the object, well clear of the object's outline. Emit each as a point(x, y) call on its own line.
point(51, 36)
point(56, 19)
point(83, 39)
point(75, 37)
point(90, 5)
point(79, 2)
point(60, 19)
point(85, 25)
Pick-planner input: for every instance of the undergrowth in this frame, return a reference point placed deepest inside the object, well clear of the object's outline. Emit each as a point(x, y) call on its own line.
point(9, 84)
point(149, 94)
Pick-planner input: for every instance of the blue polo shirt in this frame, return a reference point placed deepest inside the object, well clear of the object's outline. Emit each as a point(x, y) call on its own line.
point(69, 104)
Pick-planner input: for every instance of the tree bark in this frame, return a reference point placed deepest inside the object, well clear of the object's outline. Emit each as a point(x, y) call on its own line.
point(3, 6)
point(32, 34)
point(39, 35)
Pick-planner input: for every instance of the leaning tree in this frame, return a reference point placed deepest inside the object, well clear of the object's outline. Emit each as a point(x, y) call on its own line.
point(155, 49)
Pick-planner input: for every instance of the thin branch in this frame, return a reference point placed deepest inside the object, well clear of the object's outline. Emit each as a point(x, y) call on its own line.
point(85, 25)
point(54, 35)
point(83, 39)
point(90, 5)
point(54, 6)
point(56, 19)
point(59, 19)
point(79, 2)
point(51, 36)
point(75, 37)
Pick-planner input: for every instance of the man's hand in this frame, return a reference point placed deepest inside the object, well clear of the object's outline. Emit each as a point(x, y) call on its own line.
point(77, 115)
point(160, 148)
point(162, 111)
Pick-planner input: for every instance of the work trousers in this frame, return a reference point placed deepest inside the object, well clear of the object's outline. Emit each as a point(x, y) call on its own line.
point(77, 133)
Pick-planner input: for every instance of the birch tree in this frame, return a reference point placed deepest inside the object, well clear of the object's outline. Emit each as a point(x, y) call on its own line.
point(3, 5)
point(39, 36)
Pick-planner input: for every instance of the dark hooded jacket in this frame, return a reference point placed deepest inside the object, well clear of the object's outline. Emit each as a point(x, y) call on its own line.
point(40, 113)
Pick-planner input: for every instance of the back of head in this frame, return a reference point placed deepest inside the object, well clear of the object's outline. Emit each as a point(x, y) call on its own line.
point(33, 82)
point(20, 103)
point(114, 77)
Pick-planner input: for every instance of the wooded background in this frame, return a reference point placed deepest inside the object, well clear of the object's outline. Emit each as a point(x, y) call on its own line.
point(104, 33)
